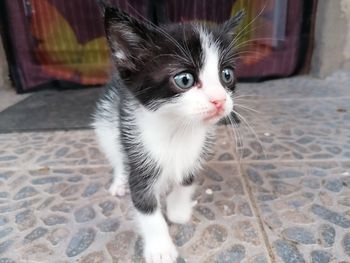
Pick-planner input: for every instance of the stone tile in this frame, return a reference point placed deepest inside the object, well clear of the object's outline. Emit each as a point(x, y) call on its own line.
point(94, 257)
point(69, 225)
point(50, 149)
point(80, 241)
point(74, 148)
point(36, 222)
point(35, 234)
point(298, 87)
point(300, 222)
point(295, 130)
point(220, 221)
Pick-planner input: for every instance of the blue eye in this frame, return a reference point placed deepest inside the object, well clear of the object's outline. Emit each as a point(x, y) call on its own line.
point(184, 80)
point(227, 75)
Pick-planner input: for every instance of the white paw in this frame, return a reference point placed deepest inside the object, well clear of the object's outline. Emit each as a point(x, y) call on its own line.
point(179, 216)
point(161, 253)
point(180, 212)
point(117, 189)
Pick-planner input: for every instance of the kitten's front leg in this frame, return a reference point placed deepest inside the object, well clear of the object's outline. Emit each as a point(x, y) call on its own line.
point(119, 183)
point(158, 246)
point(179, 202)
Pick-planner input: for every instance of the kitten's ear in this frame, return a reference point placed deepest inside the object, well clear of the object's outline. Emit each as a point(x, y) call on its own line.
point(103, 4)
point(230, 25)
point(126, 37)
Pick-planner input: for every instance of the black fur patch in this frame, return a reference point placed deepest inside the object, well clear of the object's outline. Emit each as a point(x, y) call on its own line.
point(143, 172)
point(154, 55)
point(188, 180)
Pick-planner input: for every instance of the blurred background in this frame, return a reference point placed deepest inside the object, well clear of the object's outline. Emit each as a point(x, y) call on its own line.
point(55, 45)
point(59, 43)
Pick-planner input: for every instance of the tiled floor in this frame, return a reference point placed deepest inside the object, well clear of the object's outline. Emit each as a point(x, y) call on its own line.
point(284, 197)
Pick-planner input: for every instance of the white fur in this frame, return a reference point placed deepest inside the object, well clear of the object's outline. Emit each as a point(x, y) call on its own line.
point(176, 150)
point(210, 72)
point(119, 55)
point(108, 137)
point(180, 204)
point(159, 247)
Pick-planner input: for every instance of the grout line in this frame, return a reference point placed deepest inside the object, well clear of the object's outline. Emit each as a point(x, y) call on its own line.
point(256, 212)
point(253, 204)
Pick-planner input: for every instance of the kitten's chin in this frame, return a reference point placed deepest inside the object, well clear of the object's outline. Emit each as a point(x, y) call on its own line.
point(213, 119)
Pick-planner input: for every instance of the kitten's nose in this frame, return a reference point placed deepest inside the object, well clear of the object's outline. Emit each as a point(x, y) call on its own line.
point(218, 103)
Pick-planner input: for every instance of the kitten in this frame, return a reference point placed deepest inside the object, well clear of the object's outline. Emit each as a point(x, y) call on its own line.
point(155, 121)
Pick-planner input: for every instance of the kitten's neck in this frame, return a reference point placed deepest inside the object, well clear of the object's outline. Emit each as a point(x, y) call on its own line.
point(168, 125)
point(177, 146)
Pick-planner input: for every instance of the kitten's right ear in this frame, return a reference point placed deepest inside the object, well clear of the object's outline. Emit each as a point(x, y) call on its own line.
point(103, 4)
point(125, 36)
point(230, 25)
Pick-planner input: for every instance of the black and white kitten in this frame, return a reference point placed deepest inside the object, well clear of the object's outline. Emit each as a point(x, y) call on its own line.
point(154, 122)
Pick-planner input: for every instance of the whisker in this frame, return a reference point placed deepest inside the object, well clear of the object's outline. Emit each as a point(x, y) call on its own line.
point(251, 22)
point(160, 30)
point(245, 95)
point(241, 97)
point(252, 130)
point(240, 33)
point(255, 40)
point(244, 54)
point(246, 108)
point(142, 91)
point(232, 133)
point(186, 46)
point(238, 142)
point(234, 41)
point(174, 56)
point(235, 130)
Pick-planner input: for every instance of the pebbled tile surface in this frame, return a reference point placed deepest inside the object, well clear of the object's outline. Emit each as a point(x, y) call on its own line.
point(284, 197)
point(304, 208)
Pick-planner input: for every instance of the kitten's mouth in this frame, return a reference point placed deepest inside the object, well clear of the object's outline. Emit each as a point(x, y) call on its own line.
point(214, 115)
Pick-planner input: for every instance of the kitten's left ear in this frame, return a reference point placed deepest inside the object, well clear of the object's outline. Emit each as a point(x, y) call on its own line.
point(230, 25)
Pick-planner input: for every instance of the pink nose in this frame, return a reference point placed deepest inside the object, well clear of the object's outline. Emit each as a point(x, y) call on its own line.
point(218, 103)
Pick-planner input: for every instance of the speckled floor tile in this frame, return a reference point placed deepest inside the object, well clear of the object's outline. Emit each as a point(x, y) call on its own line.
point(305, 209)
point(67, 214)
point(296, 130)
point(299, 87)
point(49, 149)
point(74, 148)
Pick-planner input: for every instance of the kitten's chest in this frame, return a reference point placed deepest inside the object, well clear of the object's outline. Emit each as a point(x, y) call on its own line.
point(178, 150)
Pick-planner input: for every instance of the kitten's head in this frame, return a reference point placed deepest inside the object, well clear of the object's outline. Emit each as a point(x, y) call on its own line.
point(186, 71)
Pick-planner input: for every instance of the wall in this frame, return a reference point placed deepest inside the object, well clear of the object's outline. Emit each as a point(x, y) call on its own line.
point(4, 74)
point(345, 7)
point(332, 37)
